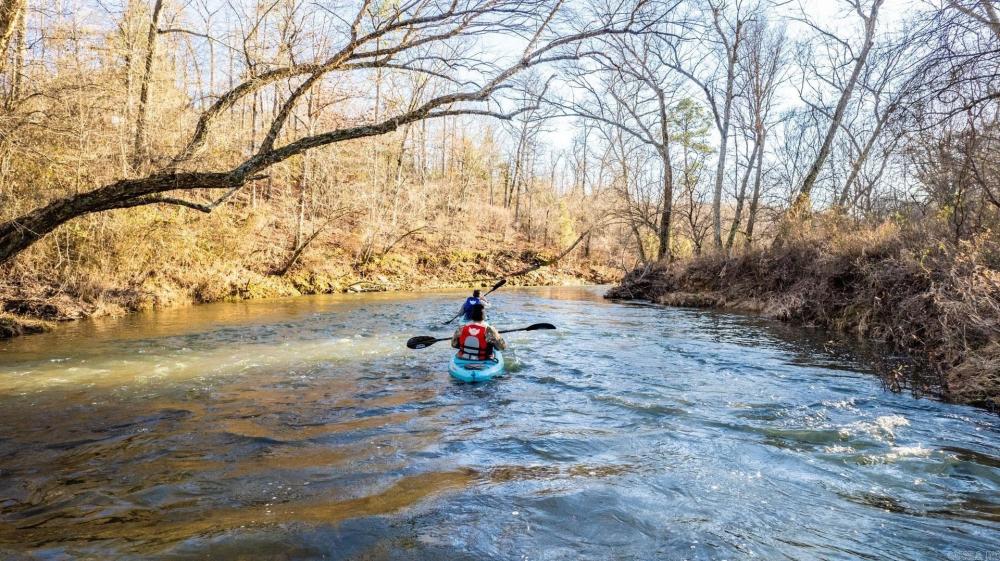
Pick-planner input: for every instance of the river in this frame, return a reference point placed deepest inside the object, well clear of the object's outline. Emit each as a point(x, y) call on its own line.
point(304, 429)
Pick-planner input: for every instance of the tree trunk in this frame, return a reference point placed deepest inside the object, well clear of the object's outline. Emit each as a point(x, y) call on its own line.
point(444, 146)
point(528, 192)
point(491, 179)
point(300, 217)
point(18, 234)
point(517, 202)
point(802, 200)
point(299, 249)
point(638, 241)
point(717, 194)
point(423, 153)
point(666, 215)
point(139, 142)
point(17, 73)
point(720, 170)
point(755, 199)
point(10, 13)
point(863, 156)
point(668, 207)
point(741, 196)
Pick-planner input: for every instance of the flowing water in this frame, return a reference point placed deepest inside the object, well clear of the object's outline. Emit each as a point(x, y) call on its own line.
point(304, 429)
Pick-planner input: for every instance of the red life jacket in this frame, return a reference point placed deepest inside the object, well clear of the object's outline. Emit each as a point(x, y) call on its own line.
point(472, 343)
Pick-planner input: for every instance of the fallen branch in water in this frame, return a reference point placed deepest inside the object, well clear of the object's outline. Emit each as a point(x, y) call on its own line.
point(552, 261)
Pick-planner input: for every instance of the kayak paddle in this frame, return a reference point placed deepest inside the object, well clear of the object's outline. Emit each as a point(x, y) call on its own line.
point(499, 283)
point(423, 341)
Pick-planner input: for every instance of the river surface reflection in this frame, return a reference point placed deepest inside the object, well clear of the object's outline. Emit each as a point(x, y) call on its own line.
point(304, 429)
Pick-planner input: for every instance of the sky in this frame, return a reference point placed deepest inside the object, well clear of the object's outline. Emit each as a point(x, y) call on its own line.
point(833, 15)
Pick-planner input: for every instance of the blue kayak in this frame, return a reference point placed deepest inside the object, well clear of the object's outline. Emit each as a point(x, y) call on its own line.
point(476, 370)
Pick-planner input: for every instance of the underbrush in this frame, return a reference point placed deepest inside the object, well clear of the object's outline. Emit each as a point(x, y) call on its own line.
point(901, 288)
point(12, 326)
point(115, 263)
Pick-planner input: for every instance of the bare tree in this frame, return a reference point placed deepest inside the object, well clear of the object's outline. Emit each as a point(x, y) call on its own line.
point(11, 12)
point(715, 73)
point(526, 130)
point(629, 85)
point(393, 38)
point(887, 83)
point(984, 12)
point(951, 138)
point(762, 66)
point(637, 203)
point(142, 113)
point(868, 14)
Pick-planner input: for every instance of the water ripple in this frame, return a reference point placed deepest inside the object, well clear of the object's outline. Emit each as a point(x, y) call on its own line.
point(303, 429)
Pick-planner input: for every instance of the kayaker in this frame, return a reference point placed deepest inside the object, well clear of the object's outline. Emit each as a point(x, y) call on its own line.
point(477, 339)
point(470, 302)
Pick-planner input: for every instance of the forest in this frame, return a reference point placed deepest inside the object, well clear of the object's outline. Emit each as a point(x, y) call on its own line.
point(832, 165)
point(510, 280)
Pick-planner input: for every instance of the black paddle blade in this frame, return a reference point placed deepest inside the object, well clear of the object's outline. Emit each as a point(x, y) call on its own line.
point(538, 326)
point(499, 284)
point(421, 341)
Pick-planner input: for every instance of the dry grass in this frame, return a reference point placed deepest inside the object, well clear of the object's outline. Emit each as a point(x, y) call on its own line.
point(148, 258)
point(13, 326)
point(899, 287)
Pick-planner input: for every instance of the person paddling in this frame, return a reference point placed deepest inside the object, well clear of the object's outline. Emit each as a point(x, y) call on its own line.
point(477, 339)
point(470, 302)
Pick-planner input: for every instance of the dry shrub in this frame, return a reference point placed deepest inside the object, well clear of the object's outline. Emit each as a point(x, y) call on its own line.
point(977, 378)
point(113, 263)
point(12, 326)
point(891, 285)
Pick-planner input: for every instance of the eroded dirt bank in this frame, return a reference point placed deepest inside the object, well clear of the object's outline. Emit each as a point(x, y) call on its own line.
point(940, 305)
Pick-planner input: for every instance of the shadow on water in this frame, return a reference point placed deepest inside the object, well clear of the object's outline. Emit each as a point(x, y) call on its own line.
point(303, 429)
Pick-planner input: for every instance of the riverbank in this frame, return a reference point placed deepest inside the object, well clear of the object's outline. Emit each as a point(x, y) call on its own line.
point(13, 326)
point(936, 304)
point(301, 428)
point(32, 304)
